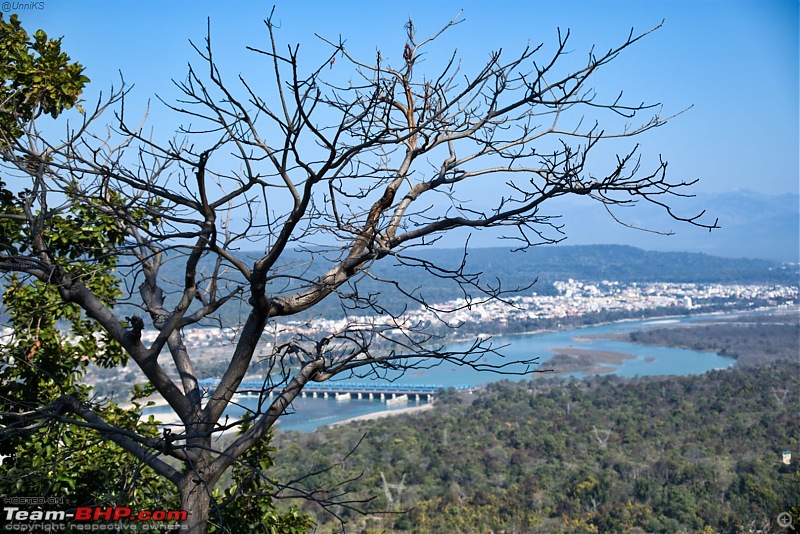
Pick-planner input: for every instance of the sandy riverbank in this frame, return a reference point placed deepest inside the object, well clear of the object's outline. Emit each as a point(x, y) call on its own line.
point(385, 413)
point(171, 419)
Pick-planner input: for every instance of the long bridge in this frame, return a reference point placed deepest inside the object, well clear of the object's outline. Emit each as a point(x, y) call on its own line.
point(348, 390)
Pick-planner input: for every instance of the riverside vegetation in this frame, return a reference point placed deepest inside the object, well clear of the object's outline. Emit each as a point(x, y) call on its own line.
point(606, 454)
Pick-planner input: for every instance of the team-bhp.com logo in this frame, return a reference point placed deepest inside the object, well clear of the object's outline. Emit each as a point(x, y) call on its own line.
point(91, 518)
point(97, 513)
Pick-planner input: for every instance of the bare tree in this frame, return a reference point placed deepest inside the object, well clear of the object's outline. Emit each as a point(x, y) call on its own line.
point(353, 161)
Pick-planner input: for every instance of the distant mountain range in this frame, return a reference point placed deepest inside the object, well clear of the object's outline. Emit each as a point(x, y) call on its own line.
point(548, 264)
point(762, 231)
point(753, 225)
point(545, 264)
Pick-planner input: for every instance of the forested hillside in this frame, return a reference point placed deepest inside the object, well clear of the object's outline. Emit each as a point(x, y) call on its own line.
point(696, 454)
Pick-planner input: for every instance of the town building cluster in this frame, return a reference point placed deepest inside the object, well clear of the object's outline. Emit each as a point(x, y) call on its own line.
point(572, 298)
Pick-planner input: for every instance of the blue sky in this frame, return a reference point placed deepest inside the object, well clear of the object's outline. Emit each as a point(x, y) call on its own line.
point(735, 62)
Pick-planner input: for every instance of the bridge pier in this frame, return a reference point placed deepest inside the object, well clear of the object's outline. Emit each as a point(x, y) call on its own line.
point(397, 399)
point(384, 392)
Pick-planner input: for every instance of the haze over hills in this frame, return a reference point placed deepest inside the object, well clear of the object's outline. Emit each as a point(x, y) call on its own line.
point(752, 225)
point(545, 265)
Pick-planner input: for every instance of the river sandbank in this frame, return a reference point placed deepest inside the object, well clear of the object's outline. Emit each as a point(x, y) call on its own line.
point(586, 361)
point(384, 413)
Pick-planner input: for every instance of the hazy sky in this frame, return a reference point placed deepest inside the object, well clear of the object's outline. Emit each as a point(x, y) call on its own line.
point(733, 62)
point(736, 62)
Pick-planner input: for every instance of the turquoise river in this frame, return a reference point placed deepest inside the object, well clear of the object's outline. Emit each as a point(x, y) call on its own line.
point(311, 413)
